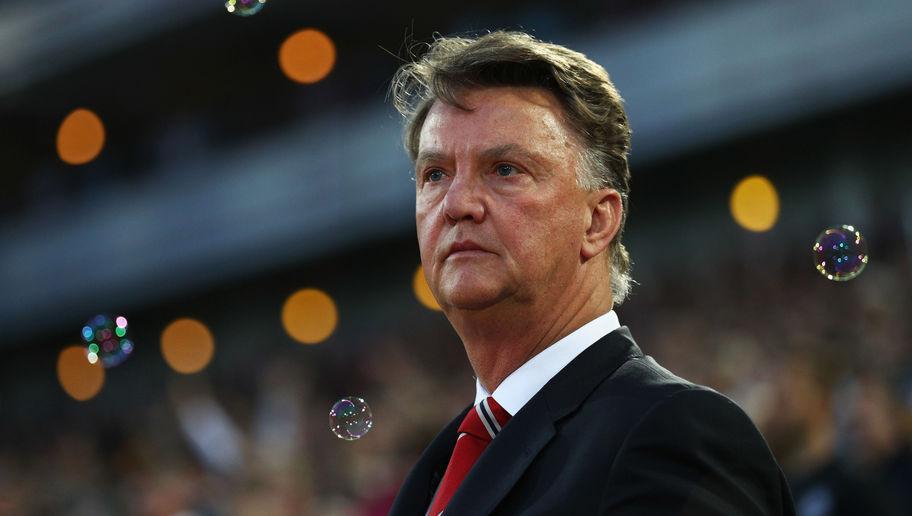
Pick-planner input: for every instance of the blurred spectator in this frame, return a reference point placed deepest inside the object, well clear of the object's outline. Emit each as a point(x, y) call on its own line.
point(802, 434)
point(878, 440)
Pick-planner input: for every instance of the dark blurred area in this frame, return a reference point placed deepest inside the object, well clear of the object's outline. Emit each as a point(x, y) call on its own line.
point(224, 187)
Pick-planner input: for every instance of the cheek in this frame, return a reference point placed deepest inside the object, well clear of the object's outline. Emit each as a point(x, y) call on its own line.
point(545, 233)
point(529, 232)
point(427, 232)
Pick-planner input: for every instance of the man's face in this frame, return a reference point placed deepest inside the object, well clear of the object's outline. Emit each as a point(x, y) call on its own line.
point(500, 216)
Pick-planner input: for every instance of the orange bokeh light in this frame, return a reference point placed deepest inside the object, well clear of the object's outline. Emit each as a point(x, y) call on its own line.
point(81, 137)
point(754, 203)
point(80, 379)
point(307, 56)
point(309, 316)
point(423, 291)
point(187, 345)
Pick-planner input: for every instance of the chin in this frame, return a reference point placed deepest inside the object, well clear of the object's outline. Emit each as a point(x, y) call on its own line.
point(471, 304)
point(469, 295)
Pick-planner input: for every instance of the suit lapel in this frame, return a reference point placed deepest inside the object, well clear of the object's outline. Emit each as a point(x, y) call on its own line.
point(516, 446)
point(414, 496)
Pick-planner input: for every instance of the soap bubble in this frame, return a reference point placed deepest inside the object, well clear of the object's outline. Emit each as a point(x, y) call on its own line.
point(244, 7)
point(350, 418)
point(106, 340)
point(840, 253)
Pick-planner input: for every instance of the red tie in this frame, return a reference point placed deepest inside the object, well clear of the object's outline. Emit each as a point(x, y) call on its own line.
point(480, 425)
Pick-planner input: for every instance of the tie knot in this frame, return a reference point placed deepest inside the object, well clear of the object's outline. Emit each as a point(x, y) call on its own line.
point(485, 420)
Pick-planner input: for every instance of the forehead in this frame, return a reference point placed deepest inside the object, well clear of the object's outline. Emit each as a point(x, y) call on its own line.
point(531, 118)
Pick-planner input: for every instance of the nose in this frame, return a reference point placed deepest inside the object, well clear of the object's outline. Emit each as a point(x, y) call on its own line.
point(464, 199)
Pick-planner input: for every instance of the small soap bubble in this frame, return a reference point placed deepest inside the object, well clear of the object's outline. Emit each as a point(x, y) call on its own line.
point(350, 418)
point(840, 253)
point(244, 7)
point(106, 340)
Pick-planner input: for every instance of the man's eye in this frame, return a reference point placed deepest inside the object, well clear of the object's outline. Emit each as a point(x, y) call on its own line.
point(433, 175)
point(506, 170)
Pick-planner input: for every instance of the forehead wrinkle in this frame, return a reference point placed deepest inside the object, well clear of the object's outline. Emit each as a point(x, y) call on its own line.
point(551, 136)
point(490, 154)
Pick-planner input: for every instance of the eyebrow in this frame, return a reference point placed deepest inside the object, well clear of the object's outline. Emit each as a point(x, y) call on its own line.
point(487, 154)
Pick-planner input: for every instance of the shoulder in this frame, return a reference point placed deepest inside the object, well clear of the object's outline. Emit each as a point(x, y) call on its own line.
point(689, 443)
point(698, 418)
point(658, 390)
point(641, 387)
point(655, 402)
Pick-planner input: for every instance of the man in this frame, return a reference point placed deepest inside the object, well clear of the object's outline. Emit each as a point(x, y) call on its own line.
point(520, 151)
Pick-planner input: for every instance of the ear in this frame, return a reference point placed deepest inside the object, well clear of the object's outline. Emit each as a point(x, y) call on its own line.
point(606, 210)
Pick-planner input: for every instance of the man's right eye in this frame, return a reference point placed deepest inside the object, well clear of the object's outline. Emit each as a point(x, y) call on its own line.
point(433, 175)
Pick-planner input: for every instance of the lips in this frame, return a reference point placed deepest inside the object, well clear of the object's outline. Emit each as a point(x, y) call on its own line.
point(464, 246)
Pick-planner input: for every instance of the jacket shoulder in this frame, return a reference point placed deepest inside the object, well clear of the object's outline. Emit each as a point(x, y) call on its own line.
point(642, 382)
point(690, 445)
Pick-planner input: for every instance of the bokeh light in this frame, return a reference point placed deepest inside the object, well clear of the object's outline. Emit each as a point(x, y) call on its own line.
point(423, 291)
point(309, 316)
point(307, 56)
point(350, 418)
point(187, 345)
point(244, 7)
point(755, 203)
point(80, 379)
point(106, 340)
point(840, 253)
point(81, 137)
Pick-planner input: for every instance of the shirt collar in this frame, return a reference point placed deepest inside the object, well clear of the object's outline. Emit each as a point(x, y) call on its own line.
point(519, 387)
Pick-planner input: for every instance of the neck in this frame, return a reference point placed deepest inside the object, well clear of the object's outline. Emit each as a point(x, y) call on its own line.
point(501, 338)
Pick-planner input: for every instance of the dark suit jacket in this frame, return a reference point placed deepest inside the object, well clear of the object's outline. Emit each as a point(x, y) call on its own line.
point(612, 433)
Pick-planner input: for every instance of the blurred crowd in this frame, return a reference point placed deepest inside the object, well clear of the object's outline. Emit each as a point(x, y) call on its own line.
point(823, 368)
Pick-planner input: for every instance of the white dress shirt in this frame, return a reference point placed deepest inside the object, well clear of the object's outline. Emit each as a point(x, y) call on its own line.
point(518, 388)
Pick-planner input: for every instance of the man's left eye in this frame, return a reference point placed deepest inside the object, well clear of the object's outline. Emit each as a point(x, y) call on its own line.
point(506, 170)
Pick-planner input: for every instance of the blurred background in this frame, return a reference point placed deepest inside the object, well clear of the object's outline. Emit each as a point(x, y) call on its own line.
point(236, 189)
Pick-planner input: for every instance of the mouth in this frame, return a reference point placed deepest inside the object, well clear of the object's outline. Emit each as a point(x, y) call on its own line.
point(465, 248)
